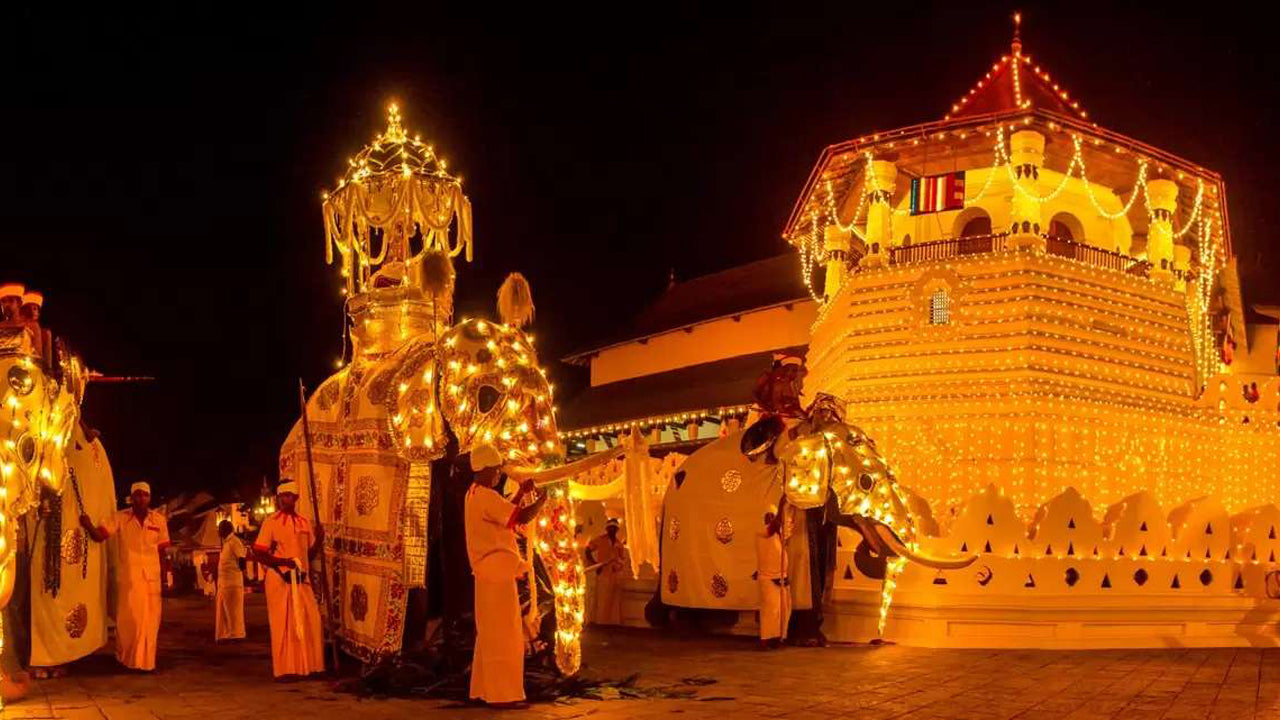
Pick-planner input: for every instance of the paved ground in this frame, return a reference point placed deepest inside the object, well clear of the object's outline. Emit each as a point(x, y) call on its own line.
point(200, 680)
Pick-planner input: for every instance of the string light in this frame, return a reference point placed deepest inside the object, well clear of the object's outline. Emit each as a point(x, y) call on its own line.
point(680, 418)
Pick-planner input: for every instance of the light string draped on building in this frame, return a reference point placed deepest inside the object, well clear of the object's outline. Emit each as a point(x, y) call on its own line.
point(812, 245)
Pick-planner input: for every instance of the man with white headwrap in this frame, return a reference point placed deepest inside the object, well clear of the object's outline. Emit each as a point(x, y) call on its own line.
point(143, 535)
point(286, 543)
point(497, 664)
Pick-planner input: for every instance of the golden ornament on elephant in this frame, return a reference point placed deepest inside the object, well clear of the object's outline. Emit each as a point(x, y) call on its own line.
point(77, 620)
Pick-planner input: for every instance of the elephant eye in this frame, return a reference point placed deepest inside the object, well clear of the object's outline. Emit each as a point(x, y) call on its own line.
point(483, 356)
point(865, 482)
point(487, 398)
point(27, 449)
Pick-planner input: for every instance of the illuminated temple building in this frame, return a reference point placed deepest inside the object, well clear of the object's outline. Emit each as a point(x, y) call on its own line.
point(1041, 323)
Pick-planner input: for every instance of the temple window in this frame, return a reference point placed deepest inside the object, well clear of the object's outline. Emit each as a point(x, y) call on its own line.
point(940, 307)
point(974, 224)
point(1065, 226)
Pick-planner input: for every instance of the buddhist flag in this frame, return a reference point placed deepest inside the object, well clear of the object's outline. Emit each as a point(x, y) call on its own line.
point(937, 193)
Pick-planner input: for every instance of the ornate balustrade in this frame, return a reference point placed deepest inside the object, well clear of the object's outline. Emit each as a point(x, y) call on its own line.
point(979, 244)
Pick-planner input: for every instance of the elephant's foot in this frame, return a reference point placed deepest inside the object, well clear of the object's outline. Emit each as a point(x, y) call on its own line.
point(14, 687)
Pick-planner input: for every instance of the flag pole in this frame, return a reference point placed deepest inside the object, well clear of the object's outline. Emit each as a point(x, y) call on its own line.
point(315, 514)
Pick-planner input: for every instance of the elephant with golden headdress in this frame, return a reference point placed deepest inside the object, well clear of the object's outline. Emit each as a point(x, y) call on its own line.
point(385, 434)
point(39, 407)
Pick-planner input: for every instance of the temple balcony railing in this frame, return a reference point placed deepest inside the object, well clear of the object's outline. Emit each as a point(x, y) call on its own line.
point(1056, 246)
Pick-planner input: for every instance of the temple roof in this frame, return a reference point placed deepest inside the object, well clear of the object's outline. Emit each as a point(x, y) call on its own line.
point(739, 289)
point(694, 388)
point(1015, 82)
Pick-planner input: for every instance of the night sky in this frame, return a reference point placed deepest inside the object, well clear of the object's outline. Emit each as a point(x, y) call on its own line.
point(160, 173)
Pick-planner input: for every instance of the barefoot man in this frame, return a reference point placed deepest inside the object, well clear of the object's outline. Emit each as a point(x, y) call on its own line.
point(771, 576)
point(286, 543)
point(229, 622)
point(143, 535)
point(497, 664)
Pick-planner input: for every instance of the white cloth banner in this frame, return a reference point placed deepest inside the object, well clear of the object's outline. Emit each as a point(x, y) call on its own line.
point(639, 504)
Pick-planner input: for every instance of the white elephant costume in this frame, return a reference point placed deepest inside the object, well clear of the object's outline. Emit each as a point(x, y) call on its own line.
point(69, 572)
point(711, 519)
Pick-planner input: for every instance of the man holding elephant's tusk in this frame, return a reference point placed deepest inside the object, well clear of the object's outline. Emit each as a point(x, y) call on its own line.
point(497, 664)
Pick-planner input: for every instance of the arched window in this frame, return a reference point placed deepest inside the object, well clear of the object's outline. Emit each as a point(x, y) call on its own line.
point(972, 222)
point(1065, 226)
point(940, 307)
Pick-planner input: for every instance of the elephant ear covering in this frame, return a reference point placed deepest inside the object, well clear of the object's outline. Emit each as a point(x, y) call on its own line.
point(515, 301)
point(437, 273)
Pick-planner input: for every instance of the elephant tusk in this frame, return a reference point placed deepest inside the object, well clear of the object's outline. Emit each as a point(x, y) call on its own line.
point(952, 562)
point(550, 475)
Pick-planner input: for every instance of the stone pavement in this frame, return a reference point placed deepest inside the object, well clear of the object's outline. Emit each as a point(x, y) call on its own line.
point(198, 679)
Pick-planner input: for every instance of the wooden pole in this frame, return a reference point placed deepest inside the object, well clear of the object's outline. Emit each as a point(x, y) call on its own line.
point(315, 514)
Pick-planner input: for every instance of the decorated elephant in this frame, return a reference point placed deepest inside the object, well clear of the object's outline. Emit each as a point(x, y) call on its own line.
point(39, 408)
point(809, 460)
point(420, 392)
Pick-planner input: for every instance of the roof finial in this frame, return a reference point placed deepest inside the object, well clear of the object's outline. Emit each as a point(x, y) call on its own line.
point(1017, 33)
point(395, 131)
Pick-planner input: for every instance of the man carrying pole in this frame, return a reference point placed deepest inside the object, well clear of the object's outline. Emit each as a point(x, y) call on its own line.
point(286, 543)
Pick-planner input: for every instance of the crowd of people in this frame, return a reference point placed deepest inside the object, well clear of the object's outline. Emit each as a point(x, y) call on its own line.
point(287, 544)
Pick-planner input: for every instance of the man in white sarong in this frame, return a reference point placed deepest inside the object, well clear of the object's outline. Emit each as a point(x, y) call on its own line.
point(607, 552)
point(68, 572)
point(286, 543)
point(142, 534)
point(497, 664)
point(771, 576)
point(229, 606)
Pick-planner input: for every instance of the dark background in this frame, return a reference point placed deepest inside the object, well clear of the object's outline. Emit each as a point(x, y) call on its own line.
point(160, 173)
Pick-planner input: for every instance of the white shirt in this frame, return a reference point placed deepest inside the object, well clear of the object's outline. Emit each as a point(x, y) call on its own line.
point(491, 543)
point(140, 544)
point(229, 573)
point(769, 555)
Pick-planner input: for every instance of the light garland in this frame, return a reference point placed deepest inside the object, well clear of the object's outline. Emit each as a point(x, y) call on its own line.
point(810, 245)
point(684, 417)
point(396, 187)
point(1013, 62)
point(563, 562)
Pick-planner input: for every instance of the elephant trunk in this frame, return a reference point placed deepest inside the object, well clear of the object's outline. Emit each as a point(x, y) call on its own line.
point(550, 475)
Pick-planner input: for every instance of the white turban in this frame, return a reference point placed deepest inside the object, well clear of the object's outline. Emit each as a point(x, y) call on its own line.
point(144, 487)
point(485, 456)
point(287, 487)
